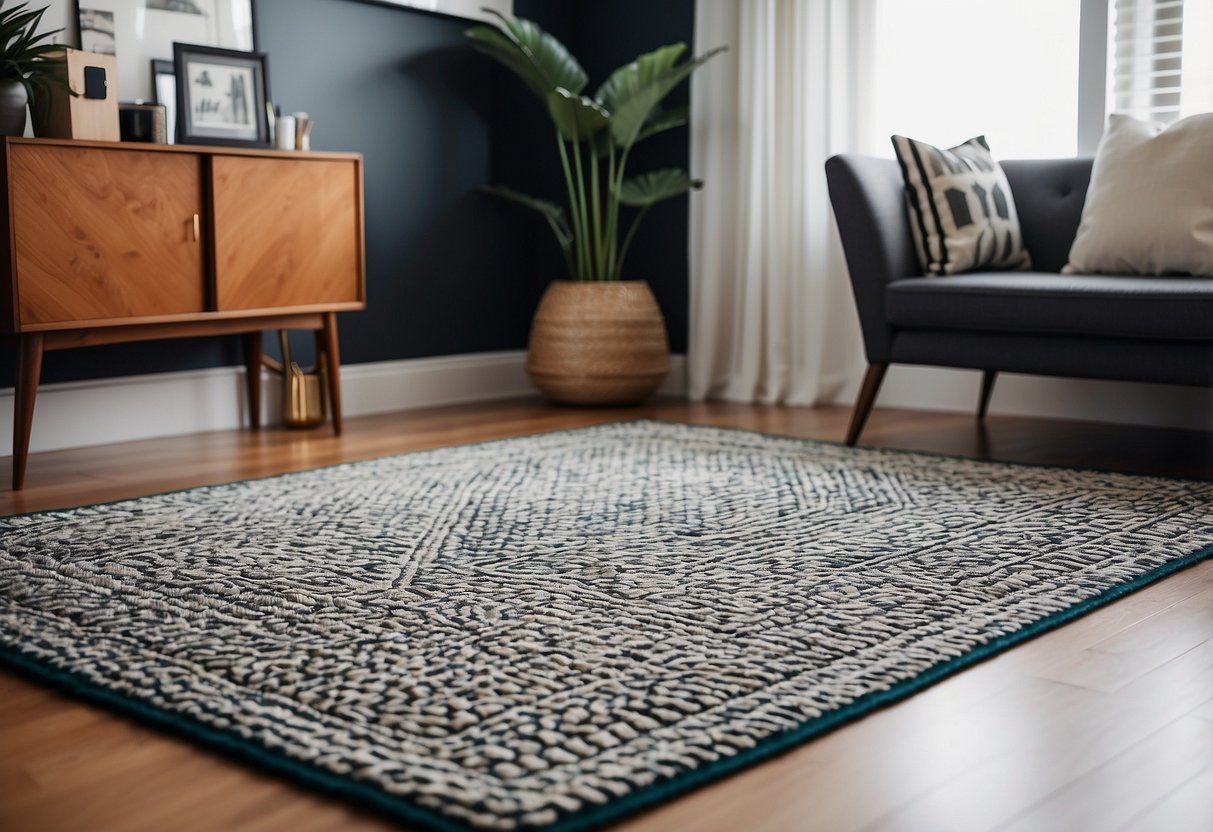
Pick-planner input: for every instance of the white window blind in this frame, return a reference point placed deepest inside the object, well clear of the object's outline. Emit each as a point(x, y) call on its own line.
point(1162, 58)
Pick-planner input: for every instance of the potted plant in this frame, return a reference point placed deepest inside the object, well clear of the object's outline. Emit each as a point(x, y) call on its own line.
point(25, 70)
point(596, 338)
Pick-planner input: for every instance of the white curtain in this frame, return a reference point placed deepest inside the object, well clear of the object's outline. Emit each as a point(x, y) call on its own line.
point(771, 315)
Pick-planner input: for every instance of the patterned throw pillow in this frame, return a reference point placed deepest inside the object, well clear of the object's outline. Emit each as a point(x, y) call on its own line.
point(961, 210)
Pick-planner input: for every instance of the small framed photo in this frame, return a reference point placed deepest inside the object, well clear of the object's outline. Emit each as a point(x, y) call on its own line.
point(164, 91)
point(221, 96)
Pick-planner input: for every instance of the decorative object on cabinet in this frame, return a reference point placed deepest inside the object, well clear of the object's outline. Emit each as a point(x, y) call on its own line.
point(164, 93)
point(138, 31)
point(28, 66)
point(228, 241)
point(139, 122)
point(221, 96)
point(303, 131)
point(591, 344)
point(84, 106)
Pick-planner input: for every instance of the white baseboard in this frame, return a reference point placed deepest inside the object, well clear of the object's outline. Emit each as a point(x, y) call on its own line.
point(78, 413)
point(74, 414)
point(1154, 405)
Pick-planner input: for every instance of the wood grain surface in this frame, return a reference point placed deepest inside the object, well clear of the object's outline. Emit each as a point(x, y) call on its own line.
point(306, 248)
point(100, 234)
point(1106, 723)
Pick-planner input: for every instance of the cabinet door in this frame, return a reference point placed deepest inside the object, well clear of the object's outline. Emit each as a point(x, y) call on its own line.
point(105, 234)
point(287, 232)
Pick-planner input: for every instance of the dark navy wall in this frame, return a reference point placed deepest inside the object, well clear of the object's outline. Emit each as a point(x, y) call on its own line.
point(449, 270)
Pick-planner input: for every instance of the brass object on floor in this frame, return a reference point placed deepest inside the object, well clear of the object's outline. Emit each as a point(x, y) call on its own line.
point(302, 391)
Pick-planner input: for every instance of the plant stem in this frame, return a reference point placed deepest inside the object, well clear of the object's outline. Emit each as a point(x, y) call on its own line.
point(612, 209)
point(596, 203)
point(564, 246)
point(568, 181)
point(623, 161)
point(627, 241)
point(585, 239)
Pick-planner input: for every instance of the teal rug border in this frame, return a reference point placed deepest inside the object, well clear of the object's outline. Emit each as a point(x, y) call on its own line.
point(401, 809)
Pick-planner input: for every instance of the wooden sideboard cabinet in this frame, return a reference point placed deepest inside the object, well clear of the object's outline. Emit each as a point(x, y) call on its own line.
point(107, 242)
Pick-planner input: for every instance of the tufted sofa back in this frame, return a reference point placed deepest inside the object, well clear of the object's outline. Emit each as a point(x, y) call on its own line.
point(1049, 195)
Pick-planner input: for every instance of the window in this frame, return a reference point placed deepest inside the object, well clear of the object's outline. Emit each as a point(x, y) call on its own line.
point(1037, 77)
point(1162, 58)
point(947, 70)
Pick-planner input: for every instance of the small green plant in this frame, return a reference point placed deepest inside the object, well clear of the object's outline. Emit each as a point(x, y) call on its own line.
point(23, 51)
point(594, 137)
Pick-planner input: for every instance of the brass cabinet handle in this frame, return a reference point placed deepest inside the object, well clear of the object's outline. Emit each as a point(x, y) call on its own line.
point(197, 227)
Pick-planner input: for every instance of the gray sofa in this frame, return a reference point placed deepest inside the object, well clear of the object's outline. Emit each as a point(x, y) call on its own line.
point(1157, 329)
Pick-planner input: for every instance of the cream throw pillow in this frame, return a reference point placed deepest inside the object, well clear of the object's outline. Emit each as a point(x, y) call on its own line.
point(1149, 207)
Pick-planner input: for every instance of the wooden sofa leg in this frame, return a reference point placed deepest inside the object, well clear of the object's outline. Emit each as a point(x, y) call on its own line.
point(988, 378)
point(863, 404)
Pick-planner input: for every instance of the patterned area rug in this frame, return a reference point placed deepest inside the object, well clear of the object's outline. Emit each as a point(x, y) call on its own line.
point(561, 629)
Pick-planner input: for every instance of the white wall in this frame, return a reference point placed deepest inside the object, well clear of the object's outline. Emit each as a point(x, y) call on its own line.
point(60, 14)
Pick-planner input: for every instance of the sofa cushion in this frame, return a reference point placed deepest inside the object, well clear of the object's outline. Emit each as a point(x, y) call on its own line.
point(1164, 308)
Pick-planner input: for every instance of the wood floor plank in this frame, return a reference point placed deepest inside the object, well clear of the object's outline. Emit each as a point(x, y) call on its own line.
point(1187, 806)
point(1056, 719)
point(1098, 800)
point(1045, 749)
point(1120, 658)
point(1204, 712)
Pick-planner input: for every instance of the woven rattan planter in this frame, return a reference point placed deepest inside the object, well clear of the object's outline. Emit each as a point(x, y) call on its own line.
point(598, 343)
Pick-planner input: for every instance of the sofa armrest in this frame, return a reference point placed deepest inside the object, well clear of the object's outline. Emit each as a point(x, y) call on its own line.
point(869, 204)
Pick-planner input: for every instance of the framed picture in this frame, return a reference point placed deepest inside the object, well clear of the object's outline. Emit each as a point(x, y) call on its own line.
point(221, 95)
point(164, 91)
point(471, 9)
point(140, 31)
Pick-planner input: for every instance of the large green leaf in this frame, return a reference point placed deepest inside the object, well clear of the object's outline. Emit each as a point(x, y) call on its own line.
point(630, 78)
point(539, 59)
point(650, 188)
point(633, 92)
point(578, 117)
point(661, 120)
point(626, 80)
point(493, 43)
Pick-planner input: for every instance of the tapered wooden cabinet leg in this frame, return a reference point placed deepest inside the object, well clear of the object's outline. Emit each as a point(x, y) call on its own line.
point(252, 376)
point(867, 397)
point(326, 345)
point(29, 370)
point(988, 377)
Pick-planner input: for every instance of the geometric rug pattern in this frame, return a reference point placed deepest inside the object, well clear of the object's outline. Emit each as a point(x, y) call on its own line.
point(557, 630)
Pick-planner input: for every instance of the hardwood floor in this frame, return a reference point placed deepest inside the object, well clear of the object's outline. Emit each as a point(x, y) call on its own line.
point(1106, 723)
